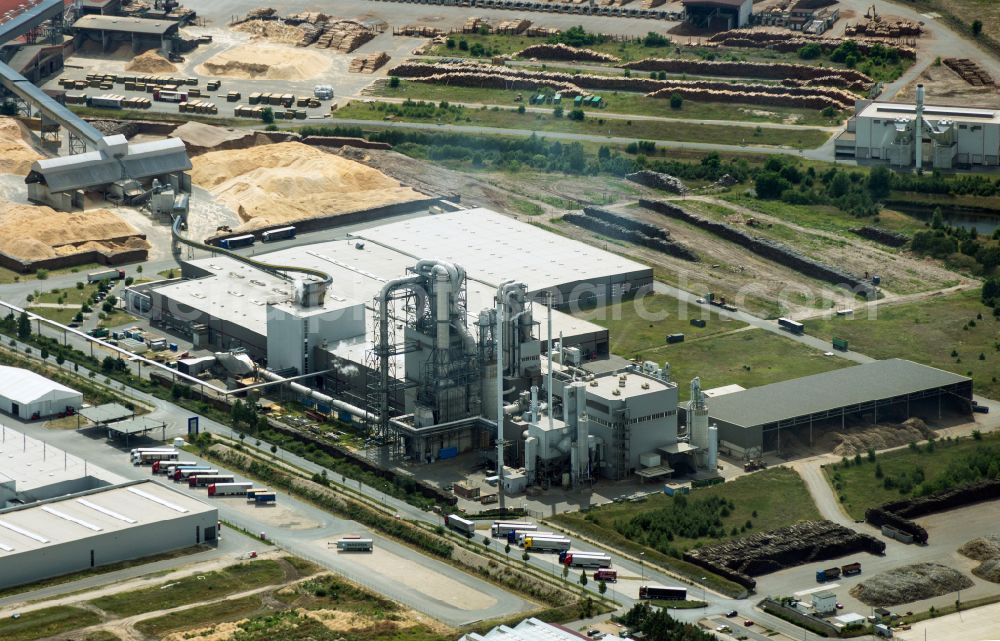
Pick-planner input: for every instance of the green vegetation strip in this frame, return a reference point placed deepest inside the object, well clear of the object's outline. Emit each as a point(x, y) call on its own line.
point(589, 124)
point(45, 623)
point(202, 615)
point(192, 589)
point(870, 481)
point(957, 333)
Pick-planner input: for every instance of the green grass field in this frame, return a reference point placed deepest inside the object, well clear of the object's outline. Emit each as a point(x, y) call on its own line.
point(46, 623)
point(214, 585)
point(621, 102)
point(202, 615)
point(64, 316)
point(68, 295)
point(594, 125)
point(102, 635)
point(861, 489)
point(642, 324)
point(117, 318)
point(929, 332)
point(768, 499)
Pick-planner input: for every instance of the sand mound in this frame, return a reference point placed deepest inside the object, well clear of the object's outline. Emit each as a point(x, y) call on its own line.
point(33, 232)
point(150, 62)
point(200, 137)
point(910, 583)
point(266, 60)
point(272, 30)
point(290, 181)
point(982, 548)
point(989, 570)
point(16, 154)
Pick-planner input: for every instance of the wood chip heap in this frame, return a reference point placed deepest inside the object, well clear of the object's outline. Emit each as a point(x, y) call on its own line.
point(368, 63)
point(285, 182)
point(274, 30)
point(35, 232)
point(151, 62)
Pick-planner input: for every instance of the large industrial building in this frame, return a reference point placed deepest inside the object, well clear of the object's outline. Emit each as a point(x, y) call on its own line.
point(759, 418)
point(718, 15)
point(405, 338)
point(28, 395)
point(99, 527)
point(918, 135)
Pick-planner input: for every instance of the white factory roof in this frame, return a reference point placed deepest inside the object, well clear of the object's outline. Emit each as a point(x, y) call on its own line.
point(893, 110)
point(493, 247)
point(33, 464)
point(609, 388)
point(723, 390)
point(528, 630)
point(25, 387)
point(239, 293)
point(107, 510)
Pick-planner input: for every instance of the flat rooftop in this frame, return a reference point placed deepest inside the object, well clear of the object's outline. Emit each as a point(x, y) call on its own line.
point(126, 24)
point(95, 513)
point(892, 110)
point(493, 247)
point(610, 388)
point(33, 464)
point(828, 391)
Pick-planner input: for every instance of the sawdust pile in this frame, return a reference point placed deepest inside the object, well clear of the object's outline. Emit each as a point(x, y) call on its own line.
point(151, 62)
point(291, 181)
point(34, 232)
point(273, 30)
point(266, 60)
point(16, 153)
point(982, 548)
point(859, 439)
point(989, 570)
point(910, 583)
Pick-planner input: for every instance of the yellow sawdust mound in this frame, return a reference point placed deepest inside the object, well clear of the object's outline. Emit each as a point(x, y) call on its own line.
point(266, 60)
point(16, 155)
point(291, 181)
point(33, 232)
point(273, 30)
point(150, 62)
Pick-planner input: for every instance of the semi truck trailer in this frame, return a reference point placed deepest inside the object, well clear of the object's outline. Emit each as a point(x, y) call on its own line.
point(829, 574)
point(355, 545)
point(585, 559)
point(228, 489)
point(106, 274)
point(662, 593)
point(457, 523)
point(502, 528)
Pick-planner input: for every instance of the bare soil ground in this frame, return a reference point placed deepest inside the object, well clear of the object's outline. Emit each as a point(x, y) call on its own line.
point(944, 86)
point(273, 61)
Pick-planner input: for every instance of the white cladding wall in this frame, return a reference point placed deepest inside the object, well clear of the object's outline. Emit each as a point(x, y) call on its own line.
point(292, 333)
point(978, 144)
point(110, 547)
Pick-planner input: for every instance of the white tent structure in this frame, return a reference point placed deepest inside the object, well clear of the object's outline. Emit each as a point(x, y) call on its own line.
point(24, 393)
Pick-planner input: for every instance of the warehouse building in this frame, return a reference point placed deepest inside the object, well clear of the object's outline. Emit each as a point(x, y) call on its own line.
point(949, 137)
point(888, 391)
point(718, 15)
point(31, 470)
point(528, 630)
point(28, 395)
point(99, 527)
point(141, 33)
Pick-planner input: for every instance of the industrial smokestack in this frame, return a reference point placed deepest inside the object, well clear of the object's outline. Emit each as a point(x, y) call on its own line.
point(919, 126)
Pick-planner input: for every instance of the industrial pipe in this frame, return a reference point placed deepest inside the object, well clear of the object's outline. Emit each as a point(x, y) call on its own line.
point(319, 396)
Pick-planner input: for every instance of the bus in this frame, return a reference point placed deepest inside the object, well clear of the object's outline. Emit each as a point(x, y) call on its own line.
point(662, 593)
point(794, 327)
point(352, 544)
point(278, 234)
point(502, 528)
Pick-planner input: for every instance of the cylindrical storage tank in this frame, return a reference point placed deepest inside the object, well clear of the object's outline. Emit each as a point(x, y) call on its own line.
point(713, 447)
point(698, 426)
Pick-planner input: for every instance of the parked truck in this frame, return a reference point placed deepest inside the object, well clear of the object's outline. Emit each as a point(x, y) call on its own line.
point(252, 492)
point(851, 569)
point(606, 575)
point(829, 574)
point(182, 473)
point(501, 528)
point(585, 559)
point(263, 498)
point(547, 543)
point(204, 480)
point(228, 489)
point(244, 240)
point(457, 523)
point(662, 593)
point(147, 456)
point(163, 467)
point(106, 274)
point(352, 544)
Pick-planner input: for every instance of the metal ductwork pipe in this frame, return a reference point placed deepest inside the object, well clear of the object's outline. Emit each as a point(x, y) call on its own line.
point(299, 388)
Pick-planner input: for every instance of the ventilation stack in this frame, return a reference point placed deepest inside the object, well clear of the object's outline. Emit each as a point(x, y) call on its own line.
point(698, 421)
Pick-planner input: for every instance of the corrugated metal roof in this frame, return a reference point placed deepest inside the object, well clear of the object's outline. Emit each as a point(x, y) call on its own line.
point(828, 391)
point(528, 630)
point(126, 24)
point(105, 413)
point(143, 160)
point(24, 386)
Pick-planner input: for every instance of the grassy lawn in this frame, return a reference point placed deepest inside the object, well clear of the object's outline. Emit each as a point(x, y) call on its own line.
point(102, 635)
point(594, 125)
point(928, 332)
point(768, 499)
point(45, 623)
point(169, 273)
point(621, 102)
point(68, 295)
point(236, 578)
point(10, 276)
point(749, 358)
point(201, 616)
point(642, 324)
point(64, 316)
point(116, 318)
point(860, 488)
